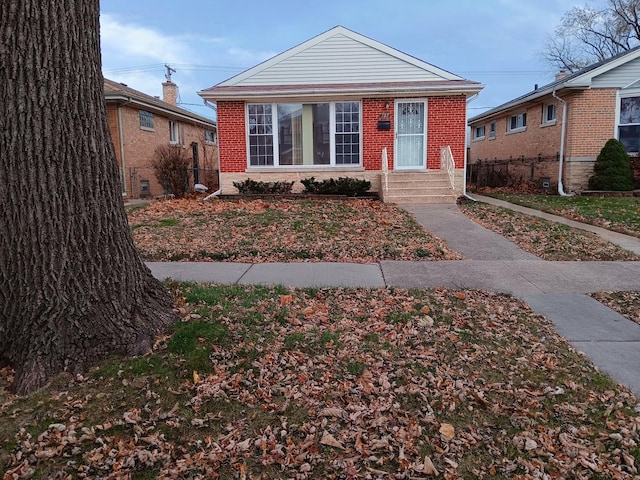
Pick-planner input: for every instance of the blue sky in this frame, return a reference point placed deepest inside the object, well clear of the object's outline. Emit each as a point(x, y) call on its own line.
point(495, 42)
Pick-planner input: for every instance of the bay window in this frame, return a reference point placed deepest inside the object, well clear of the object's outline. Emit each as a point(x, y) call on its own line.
point(304, 134)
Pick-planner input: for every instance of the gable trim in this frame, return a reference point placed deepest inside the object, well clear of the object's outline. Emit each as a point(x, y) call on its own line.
point(339, 30)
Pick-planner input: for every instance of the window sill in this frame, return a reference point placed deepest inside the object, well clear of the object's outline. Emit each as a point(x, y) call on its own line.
point(517, 130)
point(304, 168)
point(548, 124)
point(478, 139)
point(147, 129)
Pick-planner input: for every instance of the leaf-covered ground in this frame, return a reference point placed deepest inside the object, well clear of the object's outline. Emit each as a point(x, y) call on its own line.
point(625, 303)
point(620, 214)
point(359, 231)
point(545, 239)
point(270, 383)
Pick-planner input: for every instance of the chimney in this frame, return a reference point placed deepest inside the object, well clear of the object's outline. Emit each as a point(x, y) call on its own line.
point(561, 74)
point(170, 92)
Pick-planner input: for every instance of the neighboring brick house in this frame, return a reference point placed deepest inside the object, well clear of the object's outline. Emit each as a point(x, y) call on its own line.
point(332, 105)
point(140, 123)
point(599, 102)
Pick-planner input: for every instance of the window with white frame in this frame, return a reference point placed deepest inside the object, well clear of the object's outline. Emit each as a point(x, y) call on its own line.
point(517, 122)
point(478, 133)
point(174, 133)
point(146, 119)
point(549, 113)
point(629, 124)
point(305, 134)
point(260, 121)
point(492, 130)
point(210, 137)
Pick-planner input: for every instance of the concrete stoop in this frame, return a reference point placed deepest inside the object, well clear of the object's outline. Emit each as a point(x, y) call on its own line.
point(417, 188)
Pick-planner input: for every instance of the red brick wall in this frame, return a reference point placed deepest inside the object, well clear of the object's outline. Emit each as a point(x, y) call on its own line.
point(139, 146)
point(445, 126)
point(232, 137)
point(373, 140)
point(446, 117)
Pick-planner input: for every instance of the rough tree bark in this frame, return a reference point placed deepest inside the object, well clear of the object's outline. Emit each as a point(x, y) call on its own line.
point(73, 289)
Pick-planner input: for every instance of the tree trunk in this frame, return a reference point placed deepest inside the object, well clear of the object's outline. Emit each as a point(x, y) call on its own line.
point(73, 289)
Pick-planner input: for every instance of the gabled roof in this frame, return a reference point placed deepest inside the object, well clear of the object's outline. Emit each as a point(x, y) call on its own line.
point(340, 61)
point(579, 80)
point(119, 92)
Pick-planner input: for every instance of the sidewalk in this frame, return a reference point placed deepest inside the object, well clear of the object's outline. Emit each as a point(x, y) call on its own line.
point(553, 289)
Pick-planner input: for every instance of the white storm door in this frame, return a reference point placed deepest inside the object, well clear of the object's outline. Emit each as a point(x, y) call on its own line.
point(411, 140)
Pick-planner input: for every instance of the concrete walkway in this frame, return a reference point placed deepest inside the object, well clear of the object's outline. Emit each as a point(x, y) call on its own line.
point(553, 289)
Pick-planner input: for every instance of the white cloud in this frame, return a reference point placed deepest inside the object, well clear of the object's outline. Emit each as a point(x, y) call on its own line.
point(135, 42)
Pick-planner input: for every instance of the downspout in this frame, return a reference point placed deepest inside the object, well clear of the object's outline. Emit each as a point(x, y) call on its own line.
point(214, 107)
point(562, 137)
point(121, 146)
point(464, 173)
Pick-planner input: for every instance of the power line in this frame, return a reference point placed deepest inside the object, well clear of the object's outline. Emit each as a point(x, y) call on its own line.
point(181, 66)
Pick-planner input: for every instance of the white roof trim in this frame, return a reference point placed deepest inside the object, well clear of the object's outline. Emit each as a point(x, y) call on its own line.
point(585, 79)
point(339, 30)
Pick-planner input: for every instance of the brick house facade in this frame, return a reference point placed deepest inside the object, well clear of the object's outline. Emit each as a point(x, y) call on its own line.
point(330, 106)
point(140, 123)
point(593, 101)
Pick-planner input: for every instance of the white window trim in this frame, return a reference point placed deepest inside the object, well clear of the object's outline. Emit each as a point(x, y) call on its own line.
point(174, 131)
point(517, 129)
point(631, 92)
point(215, 137)
point(492, 134)
point(545, 122)
point(476, 137)
point(332, 138)
point(151, 116)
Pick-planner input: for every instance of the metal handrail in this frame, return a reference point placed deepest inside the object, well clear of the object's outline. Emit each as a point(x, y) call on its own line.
point(447, 162)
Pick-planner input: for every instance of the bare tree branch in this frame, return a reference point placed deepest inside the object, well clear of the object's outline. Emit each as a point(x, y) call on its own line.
point(586, 35)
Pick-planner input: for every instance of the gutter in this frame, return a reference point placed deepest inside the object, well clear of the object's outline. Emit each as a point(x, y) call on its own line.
point(158, 109)
point(464, 173)
point(373, 92)
point(563, 134)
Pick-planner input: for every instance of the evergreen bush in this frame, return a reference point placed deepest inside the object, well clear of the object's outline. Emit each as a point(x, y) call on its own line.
point(351, 187)
point(612, 170)
point(253, 187)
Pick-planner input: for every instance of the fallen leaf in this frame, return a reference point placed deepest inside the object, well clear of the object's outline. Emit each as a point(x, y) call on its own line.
point(428, 467)
point(447, 431)
point(329, 440)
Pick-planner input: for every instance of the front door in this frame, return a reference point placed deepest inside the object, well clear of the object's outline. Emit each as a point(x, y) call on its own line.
point(411, 127)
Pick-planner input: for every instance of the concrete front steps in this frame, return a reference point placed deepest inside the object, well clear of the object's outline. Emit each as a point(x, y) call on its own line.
point(418, 188)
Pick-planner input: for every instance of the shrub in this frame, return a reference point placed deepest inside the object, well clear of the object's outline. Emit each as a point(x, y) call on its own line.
point(612, 170)
point(171, 167)
point(257, 187)
point(351, 187)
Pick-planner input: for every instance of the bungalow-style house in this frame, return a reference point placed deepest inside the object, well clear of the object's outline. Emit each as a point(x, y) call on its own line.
point(140, 123)
point(344, 105)
point(570, 119)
